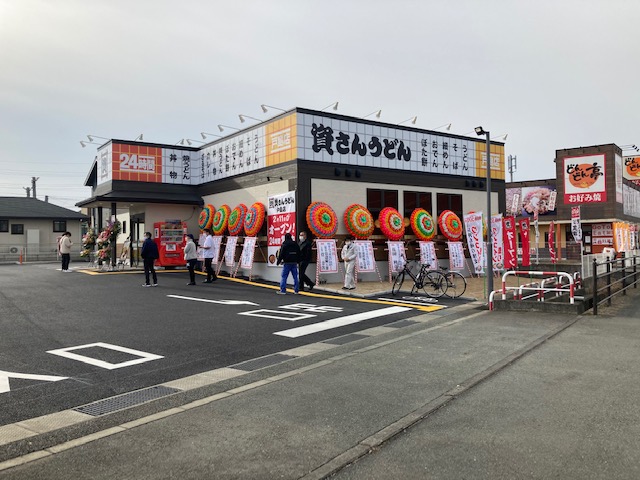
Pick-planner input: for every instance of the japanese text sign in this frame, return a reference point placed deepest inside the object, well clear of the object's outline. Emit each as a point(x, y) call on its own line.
point(248, 250)
point(366, 261)
point(473, 227)
point(428, 254)
point(526, 242)
point(327, 258)
point(281, 219)
point(510, 243)
point(456, 255)
point(584, 179)
point(397, 257)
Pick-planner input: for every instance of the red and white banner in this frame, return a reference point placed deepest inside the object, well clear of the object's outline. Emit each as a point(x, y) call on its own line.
point(366, 261)
point(552, 242)
point(428, 254)
point(510, 243)
point(397, 257)
point(456, 255)
point(497, 243)
point(281, 219)
point(327, 260)
point(526, 243)
point(473, 228)
point(576, 228)
point(248, 249)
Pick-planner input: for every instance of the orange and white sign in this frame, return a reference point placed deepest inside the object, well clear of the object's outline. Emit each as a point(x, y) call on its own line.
point(281, 140)
point(136, 163)
point(584, 179)
point(497, 160)
point(631, 169)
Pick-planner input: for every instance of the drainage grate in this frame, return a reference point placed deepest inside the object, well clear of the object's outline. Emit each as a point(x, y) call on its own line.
point(401, 323)
point(352, 337)
point(127, 400)
point(251, 365)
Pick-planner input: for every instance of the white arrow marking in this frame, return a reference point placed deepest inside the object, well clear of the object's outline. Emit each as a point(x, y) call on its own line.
point(221, 302)
point(339, 322)
point(5, 376)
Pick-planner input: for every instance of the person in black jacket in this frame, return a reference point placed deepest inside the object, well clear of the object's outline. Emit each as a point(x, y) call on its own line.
point(290, 256)
point(149, 255)
point(305, 258)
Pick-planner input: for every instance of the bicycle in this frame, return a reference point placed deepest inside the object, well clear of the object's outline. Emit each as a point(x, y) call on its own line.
point(432, 282)
point(456, 283)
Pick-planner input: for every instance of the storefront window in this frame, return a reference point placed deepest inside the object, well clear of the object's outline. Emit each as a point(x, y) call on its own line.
point(413, 200)
point(378, 199)
point(450, 201)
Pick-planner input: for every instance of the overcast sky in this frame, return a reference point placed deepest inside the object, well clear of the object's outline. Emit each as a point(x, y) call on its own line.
point(551, 74)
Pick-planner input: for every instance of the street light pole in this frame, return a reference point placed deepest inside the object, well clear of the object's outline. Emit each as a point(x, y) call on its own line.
point(489, 272)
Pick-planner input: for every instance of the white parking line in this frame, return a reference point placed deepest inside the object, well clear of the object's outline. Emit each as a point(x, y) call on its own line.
point(221, 302)
point(339, 322)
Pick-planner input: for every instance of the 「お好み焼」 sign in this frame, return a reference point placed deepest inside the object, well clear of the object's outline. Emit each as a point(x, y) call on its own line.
point(584, 179)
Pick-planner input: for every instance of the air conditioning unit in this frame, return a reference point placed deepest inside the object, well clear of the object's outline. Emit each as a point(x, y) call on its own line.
point(15, 249)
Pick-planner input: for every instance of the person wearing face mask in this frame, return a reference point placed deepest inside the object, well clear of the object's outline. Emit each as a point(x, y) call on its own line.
point(305, 257)
point(349, 255)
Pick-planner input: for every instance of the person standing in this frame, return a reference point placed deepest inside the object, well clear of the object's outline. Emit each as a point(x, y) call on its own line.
point(349, 255)
point(190, 257)
point(290, 256)
point(207, 254)
point(65, 250)
point(149, 255)
point(305, 258)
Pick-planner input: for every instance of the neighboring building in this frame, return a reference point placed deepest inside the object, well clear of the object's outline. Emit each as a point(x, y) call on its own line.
point(320, 156)
point(32, 226)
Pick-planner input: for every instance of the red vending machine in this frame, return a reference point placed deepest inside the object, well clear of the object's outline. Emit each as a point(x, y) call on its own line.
point(169, 236)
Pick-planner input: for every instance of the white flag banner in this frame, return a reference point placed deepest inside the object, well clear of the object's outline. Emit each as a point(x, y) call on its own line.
point(397, 257)
point(428, 254)
point(217, 241)
point(327, 259)
point(248, 250)
point(366, 260)
point(230, 251)
point(576, 227)
point(497, 242)
point(456, 256)
point(475, 243)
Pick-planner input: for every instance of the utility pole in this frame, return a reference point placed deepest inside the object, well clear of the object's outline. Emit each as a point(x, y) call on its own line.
point(513, 165)
point(33, 185)
point(28, 189)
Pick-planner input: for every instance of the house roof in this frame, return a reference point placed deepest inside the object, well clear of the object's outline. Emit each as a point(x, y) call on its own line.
point(25, 207)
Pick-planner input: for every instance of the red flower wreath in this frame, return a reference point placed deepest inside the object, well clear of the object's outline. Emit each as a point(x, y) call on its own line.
point(359, 221)
point(254, 219)
point(322, 220)
point(422, 224)
point(220, 220)
point(391, 223)
point(236, 219)
point(450, 225)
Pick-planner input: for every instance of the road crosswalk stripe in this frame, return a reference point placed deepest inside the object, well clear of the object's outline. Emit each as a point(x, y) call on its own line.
point(339, 322)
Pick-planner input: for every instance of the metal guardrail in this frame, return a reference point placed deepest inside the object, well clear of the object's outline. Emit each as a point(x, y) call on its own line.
point(625, 268)
point(558, 286)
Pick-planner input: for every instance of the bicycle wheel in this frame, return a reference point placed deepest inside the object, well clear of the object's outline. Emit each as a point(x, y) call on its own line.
point(397, 284)
point(456, 284)
point(434, 284)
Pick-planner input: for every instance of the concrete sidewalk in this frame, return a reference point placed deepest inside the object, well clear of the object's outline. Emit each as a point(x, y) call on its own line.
point(566, 408)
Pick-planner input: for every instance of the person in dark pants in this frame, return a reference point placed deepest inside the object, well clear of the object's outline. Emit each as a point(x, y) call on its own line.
point(290, 256)
point(149, 255)
point(208, 254)
point(65, 250)
point(191, 257)
point(305, 258)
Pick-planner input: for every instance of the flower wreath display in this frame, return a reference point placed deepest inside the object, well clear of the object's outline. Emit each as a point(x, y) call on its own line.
point(422, 224)
point(322, 220)
point(391, 223)
point(236, 220)
point(450, 225)
point(220, 220)
point(254, 219)
point(359, 221)
point(206, 216)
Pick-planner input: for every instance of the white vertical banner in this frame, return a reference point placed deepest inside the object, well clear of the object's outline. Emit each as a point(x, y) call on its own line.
point(327, 258)
point(576, 228)
point(497, 244)
point(281, 219)
point(230, 251)
point(397, 257)
point(428, 254)
point(217, 241)
point(200, 250)
point(473, 228)
point(366, 260)
point(248, 250)
point(456, 255)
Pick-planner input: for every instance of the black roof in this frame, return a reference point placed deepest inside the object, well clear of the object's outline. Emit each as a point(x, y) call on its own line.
point(25, 207)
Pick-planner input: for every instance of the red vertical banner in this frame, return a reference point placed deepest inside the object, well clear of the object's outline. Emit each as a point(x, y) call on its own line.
point(526, 244)
point(552, 243)
point(510, 245)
